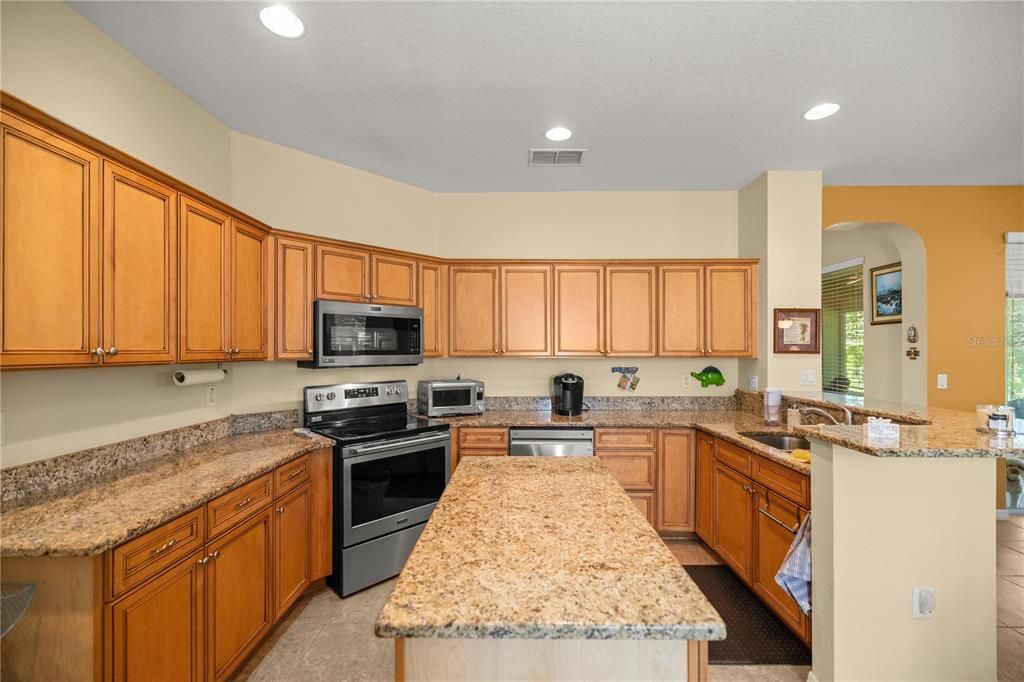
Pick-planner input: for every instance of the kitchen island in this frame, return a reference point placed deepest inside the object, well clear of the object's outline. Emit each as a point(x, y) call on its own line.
point(542, 568)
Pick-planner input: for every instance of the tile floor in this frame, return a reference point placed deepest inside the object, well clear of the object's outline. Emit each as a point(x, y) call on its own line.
point(324, 637)
point(1010, 597)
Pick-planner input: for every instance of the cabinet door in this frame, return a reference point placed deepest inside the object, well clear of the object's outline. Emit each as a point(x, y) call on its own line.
point(140, 241)
point(526, 310)
point(676, 481)
point(774, 530)
point(394, 280)
point(292, 547)
point(579, 310)
point(203, 307)
point(240, 605)
point(294, 298)
point(733, 520)
point(473, 310)
point(321, 482)
point(249, 305)
point(644, 501)
point(705, 487)
point(434, 301)
point(49, 236)
point(681, 310)
point(630, 300)
point(730, 310)
point(156, 632)
point(342, 274)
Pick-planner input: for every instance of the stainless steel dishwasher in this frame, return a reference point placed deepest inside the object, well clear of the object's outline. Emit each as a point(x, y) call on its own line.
point(550, 441)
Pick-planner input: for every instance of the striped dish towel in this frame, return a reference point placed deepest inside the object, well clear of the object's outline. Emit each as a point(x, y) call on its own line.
point(794, 574)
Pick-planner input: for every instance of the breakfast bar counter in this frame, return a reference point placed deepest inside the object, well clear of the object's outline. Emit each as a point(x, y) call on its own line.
point(525, 564)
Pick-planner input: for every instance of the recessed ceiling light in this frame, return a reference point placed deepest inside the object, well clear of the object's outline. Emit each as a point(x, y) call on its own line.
point(558, 134)
point(282, 21)
point(821, 111)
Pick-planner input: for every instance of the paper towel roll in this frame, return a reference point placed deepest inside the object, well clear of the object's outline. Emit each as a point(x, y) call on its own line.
point(192, 377)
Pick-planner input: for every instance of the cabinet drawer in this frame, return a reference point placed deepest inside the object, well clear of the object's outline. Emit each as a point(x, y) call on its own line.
point(239, 504)
point(483, 438)
point(735, 456)
point(644, 501)
point(634, 470)
point(640, 439)
point(792, 484)
point(484, 452)
point(136, 561)
point(291, 475)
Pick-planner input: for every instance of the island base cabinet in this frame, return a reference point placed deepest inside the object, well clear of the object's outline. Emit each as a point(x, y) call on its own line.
point(156, 633)
point(420, 660)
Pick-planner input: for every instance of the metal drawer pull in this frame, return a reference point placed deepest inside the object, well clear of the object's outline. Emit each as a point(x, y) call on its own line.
point(167, 545)
point(243, 503)
point(778, 521)
point(296, 473)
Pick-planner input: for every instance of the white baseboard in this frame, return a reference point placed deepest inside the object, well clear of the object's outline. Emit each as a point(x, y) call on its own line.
point(1002, 515)
point(811, 677)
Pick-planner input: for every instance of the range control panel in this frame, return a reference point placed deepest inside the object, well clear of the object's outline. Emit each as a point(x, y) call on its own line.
point(345, 396)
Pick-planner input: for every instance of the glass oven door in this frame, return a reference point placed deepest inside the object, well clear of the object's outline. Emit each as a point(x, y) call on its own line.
point(390, 486)
point(361, 334)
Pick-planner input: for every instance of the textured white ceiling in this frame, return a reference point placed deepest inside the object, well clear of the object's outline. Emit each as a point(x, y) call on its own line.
point(450, 95)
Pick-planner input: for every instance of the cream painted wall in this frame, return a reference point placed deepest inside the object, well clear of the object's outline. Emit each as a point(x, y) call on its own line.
point(883, 344)
point(54, 59)
point(587, 225)
point(776, 212)
point(293, 190)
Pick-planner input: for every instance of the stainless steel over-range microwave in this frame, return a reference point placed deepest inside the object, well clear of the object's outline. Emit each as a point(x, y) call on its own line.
point(446, 398)
point(365, 335)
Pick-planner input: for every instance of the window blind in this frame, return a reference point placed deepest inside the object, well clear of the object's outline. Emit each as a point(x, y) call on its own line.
point(1015, 264)
point(1014, 338)
point(842, 330)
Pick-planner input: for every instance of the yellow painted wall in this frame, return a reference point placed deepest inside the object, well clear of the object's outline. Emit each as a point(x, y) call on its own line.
point(962, 229)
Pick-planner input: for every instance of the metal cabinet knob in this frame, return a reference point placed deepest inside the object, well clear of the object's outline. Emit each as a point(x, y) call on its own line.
point(99, 352)
point(112, 350)
point(215, 554)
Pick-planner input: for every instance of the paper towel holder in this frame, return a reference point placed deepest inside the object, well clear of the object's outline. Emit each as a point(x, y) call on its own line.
point(193, 377)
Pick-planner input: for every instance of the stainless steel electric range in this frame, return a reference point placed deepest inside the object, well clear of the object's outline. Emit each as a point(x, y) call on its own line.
point(390, 470)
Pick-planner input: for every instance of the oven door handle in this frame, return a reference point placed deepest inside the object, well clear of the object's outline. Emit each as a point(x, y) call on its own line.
point(399, 444)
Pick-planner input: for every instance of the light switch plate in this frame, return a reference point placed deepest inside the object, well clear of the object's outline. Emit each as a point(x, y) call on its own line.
point(808, 377)
point(923, 602)
point(942, 381)
point(211, 396)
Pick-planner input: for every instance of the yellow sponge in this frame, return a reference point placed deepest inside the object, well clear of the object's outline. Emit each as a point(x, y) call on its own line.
point(801, 455)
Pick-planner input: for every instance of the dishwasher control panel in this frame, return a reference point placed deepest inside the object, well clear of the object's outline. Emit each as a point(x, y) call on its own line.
point(547, 441)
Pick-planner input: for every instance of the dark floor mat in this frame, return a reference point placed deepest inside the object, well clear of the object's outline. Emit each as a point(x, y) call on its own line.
point(754, 635)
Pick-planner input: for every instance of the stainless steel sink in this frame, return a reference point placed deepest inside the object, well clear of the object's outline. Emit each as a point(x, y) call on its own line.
point(778, 440)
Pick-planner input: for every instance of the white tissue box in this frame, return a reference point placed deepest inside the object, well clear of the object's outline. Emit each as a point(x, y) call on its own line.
point(882, 431)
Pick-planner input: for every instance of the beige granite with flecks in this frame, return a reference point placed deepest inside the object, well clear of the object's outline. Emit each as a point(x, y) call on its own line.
point(543, 548)
point(726, 424)
point(113, 509)
point(954, 438)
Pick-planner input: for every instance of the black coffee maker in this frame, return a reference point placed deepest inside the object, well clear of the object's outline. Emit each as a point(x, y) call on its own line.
point(568, 398)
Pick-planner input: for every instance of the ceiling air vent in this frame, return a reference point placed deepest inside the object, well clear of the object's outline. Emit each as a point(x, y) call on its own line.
point(556, 157)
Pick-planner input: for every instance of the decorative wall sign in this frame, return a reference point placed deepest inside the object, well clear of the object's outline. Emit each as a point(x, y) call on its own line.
point(887, 294)
point(797, 330)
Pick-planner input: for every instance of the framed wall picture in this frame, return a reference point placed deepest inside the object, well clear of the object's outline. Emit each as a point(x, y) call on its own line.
point(887, 294)
point(797, 330)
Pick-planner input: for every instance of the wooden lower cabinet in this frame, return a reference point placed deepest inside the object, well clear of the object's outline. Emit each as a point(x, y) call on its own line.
point(734, 518)
point(292, 548)
point(775, 527)
point(705, 487)
point(675, 481)
point(644, 501)
point(157, 632)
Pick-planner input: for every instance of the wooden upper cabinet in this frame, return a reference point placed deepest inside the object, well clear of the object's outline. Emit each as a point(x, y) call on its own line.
point(434, 301)
point(526, 310)
point(676, 480)
point(631, 313)
point(50, 236)
point(731, 310)
point(579, 310)
point(473, 310)
point(294, 272)
point(139, 275)
point(394, 280)
point(203, 284)
point(342, 274)
point(249, 292)
point(681, 310)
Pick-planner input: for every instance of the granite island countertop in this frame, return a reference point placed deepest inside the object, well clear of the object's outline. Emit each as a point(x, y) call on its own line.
point(543, 548)
point(102, 513)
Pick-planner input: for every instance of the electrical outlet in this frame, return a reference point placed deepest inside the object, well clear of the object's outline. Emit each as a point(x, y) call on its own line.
point(942, 381)
point(808, 377)
point(923, 602)
point(211, 396)
point(752, 382)
point(687, 381)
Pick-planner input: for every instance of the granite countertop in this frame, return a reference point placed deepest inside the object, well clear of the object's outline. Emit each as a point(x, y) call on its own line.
point(543, 548)
point(726, 424)
point(105, 512)
point(946, 438)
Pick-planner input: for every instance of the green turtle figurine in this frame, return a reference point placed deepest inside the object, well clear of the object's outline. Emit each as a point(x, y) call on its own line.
point(709, 376)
